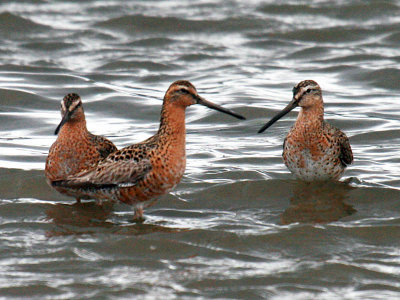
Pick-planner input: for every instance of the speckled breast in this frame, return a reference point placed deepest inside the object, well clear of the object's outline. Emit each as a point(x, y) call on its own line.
point(310, 164)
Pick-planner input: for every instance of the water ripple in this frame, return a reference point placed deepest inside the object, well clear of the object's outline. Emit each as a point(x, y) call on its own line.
point(238, 226)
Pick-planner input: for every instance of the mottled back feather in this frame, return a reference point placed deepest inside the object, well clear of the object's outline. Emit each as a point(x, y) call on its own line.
point(103, 145)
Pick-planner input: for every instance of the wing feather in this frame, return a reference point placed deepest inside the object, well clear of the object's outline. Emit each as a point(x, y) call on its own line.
point(345, 153)
point(123, 173)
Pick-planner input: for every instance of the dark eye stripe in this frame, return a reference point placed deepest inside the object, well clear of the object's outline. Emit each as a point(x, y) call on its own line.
point(76, 107)
point(309, 90)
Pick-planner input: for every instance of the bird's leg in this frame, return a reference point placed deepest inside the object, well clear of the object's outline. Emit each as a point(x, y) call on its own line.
point(138, 215)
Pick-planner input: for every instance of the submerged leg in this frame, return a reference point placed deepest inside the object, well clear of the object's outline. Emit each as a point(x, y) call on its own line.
point(138, 215)
point(78, 200)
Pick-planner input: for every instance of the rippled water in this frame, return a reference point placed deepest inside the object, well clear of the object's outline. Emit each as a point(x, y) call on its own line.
point(238, 226)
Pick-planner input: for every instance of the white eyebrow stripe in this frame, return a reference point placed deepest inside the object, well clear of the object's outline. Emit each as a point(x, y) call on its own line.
point(74, 105)
point(183, 87)
point(311, 87)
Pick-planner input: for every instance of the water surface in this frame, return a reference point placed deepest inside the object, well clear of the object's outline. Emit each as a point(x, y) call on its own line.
point(238, 226)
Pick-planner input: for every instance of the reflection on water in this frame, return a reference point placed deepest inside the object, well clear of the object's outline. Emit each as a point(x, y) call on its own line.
point(84, 214)
point(90, 218)
point(318, 202)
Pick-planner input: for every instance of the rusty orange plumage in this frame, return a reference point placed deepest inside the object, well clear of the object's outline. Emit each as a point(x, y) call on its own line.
point(313, 149)
point(75, 149)
point(144, 171)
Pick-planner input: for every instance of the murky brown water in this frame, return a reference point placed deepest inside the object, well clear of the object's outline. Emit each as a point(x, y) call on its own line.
point(238, 226)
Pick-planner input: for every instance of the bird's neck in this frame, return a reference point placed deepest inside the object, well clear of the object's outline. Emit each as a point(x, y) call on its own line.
point(75, 127)
point(311, 117)
point(172, 124)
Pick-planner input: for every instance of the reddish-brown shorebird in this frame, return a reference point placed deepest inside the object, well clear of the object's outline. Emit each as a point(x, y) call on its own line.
point(144, 171)
point(313, 149)
point(75, 149)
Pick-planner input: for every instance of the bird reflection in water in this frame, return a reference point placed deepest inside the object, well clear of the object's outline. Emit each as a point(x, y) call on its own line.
point(318, 202)
point(91, 218)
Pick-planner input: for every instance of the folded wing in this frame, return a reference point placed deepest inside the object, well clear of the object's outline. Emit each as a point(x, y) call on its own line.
point(108, 174)
point(346, 154)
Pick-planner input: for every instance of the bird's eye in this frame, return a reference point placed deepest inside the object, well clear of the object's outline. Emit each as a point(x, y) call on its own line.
point(309, 91)
point(184, 91)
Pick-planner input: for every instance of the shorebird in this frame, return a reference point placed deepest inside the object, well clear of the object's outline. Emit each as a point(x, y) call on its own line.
point(144, 171)
point(313, 149)
point(75, 149)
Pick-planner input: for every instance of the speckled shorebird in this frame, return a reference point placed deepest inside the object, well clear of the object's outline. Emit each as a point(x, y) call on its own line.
point(144, 171)
point(313, 149)
point(75, 149)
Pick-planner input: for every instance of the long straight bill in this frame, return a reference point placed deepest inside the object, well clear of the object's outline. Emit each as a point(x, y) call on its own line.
point(283, 112)
point(214, 106)
point(64, 120)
